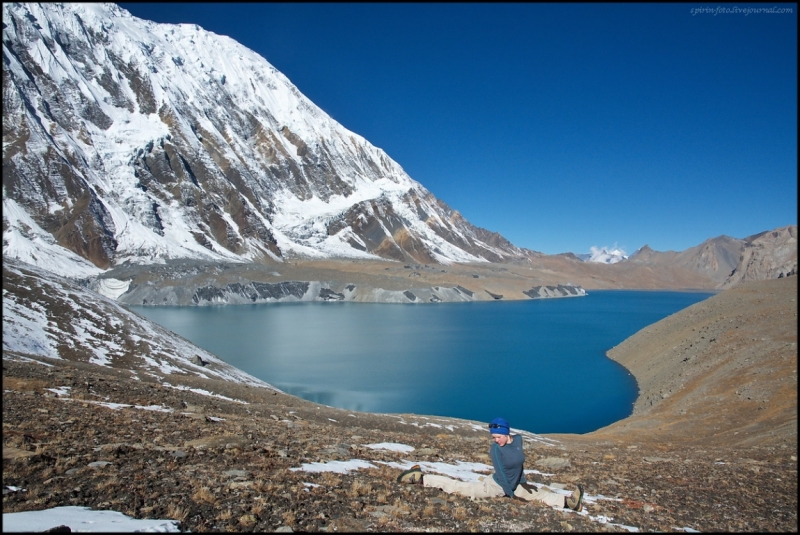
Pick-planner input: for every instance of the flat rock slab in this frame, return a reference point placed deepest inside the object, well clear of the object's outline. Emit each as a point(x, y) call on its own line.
point(553, 463)
point(10, 452)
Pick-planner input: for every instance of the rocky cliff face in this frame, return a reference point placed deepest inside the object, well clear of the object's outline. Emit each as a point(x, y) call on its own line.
point(768, 255)
point(126, 140)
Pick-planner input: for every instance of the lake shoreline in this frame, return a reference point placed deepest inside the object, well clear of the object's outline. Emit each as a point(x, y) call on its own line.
point(431, 360)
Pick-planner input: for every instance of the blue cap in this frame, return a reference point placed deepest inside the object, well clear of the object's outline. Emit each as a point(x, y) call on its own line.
point(498, 426)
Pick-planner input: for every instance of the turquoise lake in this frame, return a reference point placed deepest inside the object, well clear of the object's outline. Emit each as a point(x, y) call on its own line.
point(540, 364)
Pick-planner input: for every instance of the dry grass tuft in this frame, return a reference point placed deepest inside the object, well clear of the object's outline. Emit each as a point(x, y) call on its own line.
point(429, 511)
point(247, 520)
point(386, 472)
point(204, 495)
point(18, 384)
point(225, 515)
point(177, 512)
point(359, 488)
point(472, 525)
point(258, 509)
point(289, 518)
point(331, 479)
point(460, 513)
point(107, 483)
point(266, 487)
point(400, 509)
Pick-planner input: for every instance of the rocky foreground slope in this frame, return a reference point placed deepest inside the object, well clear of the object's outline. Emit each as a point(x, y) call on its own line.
point(222, 455)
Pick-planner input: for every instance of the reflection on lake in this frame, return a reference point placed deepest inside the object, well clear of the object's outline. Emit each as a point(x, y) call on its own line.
point(540, 364)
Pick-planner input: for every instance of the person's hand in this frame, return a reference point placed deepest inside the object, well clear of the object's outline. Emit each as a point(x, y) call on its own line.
point(528, 487)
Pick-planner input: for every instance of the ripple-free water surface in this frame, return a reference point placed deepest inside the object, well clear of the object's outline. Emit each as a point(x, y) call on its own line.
point(540, 364)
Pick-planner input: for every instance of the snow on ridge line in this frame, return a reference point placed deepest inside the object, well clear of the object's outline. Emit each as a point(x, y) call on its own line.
point(63, 392)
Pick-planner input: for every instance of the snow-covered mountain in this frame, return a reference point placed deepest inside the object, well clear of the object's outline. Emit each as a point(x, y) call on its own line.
point(604, 255)
point(127, 140)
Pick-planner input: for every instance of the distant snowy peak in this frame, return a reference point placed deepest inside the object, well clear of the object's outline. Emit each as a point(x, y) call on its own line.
point(127, 140)
point(604, 255)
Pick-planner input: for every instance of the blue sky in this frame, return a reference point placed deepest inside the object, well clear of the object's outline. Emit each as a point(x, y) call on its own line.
point(561, 127)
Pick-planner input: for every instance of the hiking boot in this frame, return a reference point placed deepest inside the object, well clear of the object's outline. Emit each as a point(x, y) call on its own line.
point(412, 476)
point(575, 502)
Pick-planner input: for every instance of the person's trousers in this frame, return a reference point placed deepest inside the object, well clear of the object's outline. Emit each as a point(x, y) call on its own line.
point(487, 487)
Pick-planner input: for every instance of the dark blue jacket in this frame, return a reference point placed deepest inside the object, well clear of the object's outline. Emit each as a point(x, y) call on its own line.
point(507, 462)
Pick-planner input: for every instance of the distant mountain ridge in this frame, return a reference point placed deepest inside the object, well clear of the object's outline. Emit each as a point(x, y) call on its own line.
point(726, 260)
point(715, 257)
point(127, 140)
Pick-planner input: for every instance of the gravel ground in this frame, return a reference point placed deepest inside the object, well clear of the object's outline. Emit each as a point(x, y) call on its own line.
point(219, 465)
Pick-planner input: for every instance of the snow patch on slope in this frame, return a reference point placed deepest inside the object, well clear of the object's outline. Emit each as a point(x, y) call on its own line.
point(45, 315)
point(25, 240)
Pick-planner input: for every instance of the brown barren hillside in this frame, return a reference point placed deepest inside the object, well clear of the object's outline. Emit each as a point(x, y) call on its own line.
point(723, 371)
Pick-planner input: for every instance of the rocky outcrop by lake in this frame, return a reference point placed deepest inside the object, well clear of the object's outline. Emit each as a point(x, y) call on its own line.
point(562, 290)
point(294, 291)
point(188, 283)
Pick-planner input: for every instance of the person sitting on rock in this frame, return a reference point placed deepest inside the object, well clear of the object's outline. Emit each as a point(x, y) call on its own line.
point(508, 479)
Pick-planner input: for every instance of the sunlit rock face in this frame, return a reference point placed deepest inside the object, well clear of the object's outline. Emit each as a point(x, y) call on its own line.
point(768, 255)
